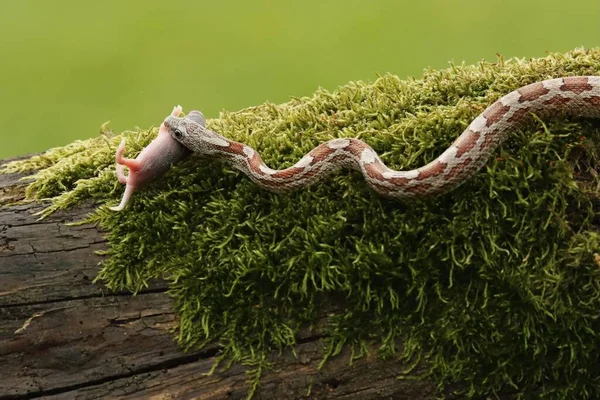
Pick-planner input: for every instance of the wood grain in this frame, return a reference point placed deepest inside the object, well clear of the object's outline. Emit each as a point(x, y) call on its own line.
point(64, 337)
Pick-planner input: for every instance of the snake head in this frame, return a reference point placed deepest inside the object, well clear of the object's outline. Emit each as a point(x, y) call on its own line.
point(190, 131)
point(182, 127)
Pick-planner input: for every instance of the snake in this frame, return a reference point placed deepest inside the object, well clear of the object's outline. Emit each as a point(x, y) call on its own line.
point(574, 96)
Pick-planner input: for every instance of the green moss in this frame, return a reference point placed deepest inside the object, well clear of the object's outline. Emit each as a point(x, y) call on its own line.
point(494, 285)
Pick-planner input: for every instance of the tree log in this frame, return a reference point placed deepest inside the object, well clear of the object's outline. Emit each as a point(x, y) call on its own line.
point(64, 337)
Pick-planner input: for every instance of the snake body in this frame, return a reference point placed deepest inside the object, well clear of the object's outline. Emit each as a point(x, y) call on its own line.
point(571, 96)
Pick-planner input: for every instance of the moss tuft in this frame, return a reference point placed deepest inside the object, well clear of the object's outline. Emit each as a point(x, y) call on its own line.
point(495, 285)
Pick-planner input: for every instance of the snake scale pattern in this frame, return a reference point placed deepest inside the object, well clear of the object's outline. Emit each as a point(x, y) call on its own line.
point(571, 96)
point(178, 137)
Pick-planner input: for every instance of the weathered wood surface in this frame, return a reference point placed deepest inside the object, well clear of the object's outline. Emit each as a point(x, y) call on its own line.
point(64, 337)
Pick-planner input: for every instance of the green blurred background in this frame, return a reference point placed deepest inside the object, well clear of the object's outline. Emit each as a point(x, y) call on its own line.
point(68, 66)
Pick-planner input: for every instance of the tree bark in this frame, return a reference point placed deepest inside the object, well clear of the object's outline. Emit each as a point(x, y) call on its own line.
point(64, 337)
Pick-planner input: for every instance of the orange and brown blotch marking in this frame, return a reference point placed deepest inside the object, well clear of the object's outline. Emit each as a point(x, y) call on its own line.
point(521, 115)
point(532, 92)
point(457, 169)
point(488, 140)
point(576, 84)
point(355, 147)
point(466, 142)
point(495, 112)
point(420, 188)
point(375, 170)
point(430, 170)
point(399, 181)
point(255, 163)
point(288, 173)
point(557, 101)
point(234, 148)
point(320, 153)
point(594, 100)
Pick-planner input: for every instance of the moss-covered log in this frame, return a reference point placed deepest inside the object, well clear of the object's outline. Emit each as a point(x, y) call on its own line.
point(490, 290)
point(64, 337)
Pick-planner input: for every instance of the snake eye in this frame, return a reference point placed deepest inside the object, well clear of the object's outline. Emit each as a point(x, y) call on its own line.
point(178, 134)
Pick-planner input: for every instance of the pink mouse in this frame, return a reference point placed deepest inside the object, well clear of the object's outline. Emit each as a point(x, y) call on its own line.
point(153, 161)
